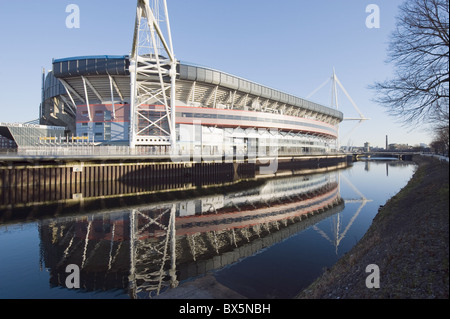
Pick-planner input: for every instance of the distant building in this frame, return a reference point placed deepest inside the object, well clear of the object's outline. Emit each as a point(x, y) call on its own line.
point(399, 147)
point(18, 135)
point(366, 147)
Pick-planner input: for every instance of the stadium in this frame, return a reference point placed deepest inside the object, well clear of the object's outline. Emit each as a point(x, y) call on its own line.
point(150, 101)
point(215, 111)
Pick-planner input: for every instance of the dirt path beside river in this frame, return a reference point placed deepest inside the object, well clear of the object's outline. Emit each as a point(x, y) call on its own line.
point(408, 241)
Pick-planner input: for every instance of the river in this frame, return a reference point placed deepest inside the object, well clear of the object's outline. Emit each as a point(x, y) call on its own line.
point(268, 241)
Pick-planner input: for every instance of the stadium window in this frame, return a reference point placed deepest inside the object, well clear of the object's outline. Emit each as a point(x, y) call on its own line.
point(107, 116)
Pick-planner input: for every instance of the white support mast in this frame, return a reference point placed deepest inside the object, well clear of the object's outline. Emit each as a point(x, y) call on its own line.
point(334, 100)
point(153, 74)
point(334, 97)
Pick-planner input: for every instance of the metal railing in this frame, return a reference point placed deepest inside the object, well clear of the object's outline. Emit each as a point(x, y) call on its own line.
point(85, 149)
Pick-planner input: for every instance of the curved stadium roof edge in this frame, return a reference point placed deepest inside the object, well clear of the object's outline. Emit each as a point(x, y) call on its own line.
point(90, 57)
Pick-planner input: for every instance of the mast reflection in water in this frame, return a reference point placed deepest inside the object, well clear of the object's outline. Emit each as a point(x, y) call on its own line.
point(148, 249)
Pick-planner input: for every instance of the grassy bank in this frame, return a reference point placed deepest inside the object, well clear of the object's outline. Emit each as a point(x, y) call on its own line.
point(408, 240)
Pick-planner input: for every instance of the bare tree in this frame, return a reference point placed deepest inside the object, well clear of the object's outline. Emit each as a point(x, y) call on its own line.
point(419, 49)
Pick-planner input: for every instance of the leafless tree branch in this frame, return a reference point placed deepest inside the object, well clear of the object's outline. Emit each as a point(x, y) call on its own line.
point(419, 50)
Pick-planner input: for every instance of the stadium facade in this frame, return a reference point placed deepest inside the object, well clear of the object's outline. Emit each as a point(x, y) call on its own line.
point(216, 113)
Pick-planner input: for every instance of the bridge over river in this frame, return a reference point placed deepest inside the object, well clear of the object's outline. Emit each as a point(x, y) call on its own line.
point(383, 155)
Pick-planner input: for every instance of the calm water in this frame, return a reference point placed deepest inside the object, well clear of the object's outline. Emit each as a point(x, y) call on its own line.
point(265, 242)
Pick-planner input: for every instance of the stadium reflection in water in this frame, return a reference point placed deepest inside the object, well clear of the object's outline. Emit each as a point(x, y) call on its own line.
point(149, 248)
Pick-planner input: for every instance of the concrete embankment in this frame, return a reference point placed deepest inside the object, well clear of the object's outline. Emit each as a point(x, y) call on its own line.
point(408, 241)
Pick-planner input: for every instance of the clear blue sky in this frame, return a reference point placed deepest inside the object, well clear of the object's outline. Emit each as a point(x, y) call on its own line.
point(290, 45)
